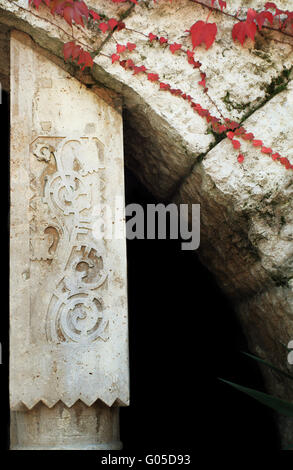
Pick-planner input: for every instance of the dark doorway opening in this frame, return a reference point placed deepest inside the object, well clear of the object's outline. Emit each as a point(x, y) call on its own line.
point(183, 336)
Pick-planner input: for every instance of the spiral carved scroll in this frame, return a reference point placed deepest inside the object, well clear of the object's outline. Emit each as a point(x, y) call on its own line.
point(76, 312)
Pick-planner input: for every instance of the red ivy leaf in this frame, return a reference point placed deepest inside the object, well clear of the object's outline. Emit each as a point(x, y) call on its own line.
point(221, 129)
point(190, 55)
point(203, 112)
point(120, 48)
point(115, 57)
point(231, 124)
point(242, 30)
point(257, 143)
point(131, 46)
point(72, 11)
point(164, 86)
point(202, 32)
point(236, 144)
point(240, 131)
point(251, 15)
point(68, 49)
point(57, 5)
point(284, 161)
point(76, 52)
point(112, 23)
point(153, 77)
point(68, 15)
point(276, 156)
point(270, 5)
point(120, 25)
point(103, 27)
point(203, 80)
point(86, 59)
point(152, 37)
point(129, 64)
point(94, 15)
point(262, 16)
point(266, 150)
point(82, 8)
point(175, 47)
point(176, 91)
point(222, 4)
point(137, 69)
point(191, 60)
point(248, 136)
point(279, 12)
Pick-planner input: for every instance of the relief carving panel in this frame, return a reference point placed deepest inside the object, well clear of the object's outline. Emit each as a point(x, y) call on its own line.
point(65, 177)
point(68, 320)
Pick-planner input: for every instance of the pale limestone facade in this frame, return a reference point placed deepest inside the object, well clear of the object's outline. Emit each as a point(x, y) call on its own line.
point(68, 299)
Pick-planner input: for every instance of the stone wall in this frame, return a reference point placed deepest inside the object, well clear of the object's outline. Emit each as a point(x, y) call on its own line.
point(247, 226)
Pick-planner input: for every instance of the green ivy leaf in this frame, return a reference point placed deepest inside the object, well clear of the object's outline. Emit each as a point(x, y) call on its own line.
point(281, 406)
point(268, 364)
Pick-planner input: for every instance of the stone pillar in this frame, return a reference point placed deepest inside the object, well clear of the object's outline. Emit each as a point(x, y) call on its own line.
point(68, 308)
point(81, 427)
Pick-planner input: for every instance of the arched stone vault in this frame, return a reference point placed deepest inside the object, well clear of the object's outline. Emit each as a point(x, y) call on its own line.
point(246, 210)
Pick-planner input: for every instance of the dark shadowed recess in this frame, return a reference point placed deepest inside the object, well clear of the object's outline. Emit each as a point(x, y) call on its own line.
point(4, 312)
point(183, 336)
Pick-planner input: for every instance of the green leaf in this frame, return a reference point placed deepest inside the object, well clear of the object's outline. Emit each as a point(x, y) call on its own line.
point(281, 406)
point(268, 364)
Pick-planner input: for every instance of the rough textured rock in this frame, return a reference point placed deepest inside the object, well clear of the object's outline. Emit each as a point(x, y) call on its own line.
point(246, 238)
point(247, 231)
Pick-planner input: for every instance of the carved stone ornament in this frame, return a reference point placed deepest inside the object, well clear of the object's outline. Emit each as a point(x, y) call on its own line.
point(69, 330)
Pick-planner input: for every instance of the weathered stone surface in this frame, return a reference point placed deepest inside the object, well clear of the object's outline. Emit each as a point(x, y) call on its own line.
point(61, 428)
point(247, 233)
point(238, 80)
point(257, 192)
point(68, 287)
point(247, 208)
point(155, 116)
point(266, 188)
